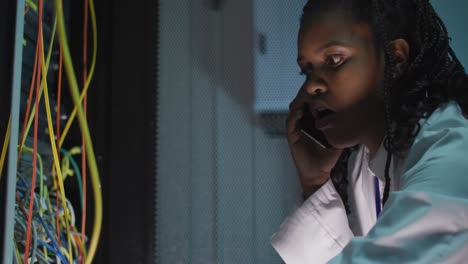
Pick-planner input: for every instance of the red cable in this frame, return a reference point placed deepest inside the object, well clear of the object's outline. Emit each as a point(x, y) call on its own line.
point(23, 210)
point(26, 116)
point(80, 245)
point(34, 172)
point(28, 107)
point(85, 106)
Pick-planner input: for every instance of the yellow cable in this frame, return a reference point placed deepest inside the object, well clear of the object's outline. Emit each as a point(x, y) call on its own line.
point(32, 115)
point(90, 75)
point(49, 203)
point(32, 5)
point(75, 151)
point(5, 147)
point(71, 228)
point(17, 253)
point(66, 170)
point(67, 255)
point(44, 88)
point(56, 160)
point(74, 90)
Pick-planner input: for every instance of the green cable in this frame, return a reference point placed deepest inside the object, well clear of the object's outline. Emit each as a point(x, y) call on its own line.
point(22, 222)
point(78, 174)
point(76, 168)
point(17, 253)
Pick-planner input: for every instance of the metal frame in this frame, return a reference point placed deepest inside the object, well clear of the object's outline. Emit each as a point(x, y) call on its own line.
point(13, 80)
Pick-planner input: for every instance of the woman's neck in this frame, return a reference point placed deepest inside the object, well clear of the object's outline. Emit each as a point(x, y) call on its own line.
point(374, 140)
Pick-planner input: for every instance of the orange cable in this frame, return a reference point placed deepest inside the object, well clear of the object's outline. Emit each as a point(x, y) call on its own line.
point(23, 210)
point(28, 107)
point(76, 237)
point(36, 119)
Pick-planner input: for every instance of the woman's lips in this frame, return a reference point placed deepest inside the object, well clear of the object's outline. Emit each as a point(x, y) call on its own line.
point(325, 122)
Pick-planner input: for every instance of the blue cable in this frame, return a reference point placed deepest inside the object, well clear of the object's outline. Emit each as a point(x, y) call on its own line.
point(24, 182)
point(52, 249)
point(64, 241)
point(58, 252)
point(18, 184)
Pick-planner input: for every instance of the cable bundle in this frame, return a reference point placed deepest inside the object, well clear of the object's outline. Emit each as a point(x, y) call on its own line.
point(49, 243)
point(45, 226)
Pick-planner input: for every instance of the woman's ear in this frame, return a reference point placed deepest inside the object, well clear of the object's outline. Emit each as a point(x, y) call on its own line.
point(401, 52)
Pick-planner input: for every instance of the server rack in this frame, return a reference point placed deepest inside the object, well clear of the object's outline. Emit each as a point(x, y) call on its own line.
point(127, 167)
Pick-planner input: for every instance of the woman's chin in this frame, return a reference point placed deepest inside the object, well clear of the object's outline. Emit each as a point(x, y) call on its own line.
point(339, 140)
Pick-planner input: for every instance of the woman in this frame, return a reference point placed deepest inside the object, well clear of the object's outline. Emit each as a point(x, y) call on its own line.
point(390, 96)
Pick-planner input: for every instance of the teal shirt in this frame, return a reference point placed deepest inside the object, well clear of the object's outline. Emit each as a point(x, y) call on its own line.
point(426, 219)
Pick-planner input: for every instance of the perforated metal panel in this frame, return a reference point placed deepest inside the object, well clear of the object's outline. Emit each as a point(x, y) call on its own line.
point(224, 185)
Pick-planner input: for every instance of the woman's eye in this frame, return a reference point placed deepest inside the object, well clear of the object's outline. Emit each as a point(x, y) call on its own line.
point(334, 60)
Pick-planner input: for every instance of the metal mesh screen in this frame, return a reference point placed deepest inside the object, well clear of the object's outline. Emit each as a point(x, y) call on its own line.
point(224, 183)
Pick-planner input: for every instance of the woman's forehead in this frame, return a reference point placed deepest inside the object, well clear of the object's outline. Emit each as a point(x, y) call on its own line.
point(334, 31)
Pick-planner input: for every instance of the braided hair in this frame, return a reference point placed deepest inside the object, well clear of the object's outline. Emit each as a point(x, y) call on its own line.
point(431, 77)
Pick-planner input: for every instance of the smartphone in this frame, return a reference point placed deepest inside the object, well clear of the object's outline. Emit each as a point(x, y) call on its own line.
point(307, 127)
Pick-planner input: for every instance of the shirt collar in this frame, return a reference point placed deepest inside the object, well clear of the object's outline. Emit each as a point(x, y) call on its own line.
point(377, 163)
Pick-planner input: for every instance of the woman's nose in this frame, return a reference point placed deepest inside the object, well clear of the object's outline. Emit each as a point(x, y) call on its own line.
point(316, 87)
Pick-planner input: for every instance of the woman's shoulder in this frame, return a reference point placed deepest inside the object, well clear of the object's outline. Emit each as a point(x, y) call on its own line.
point(438, 158)
point(446, 121)
point(447, 115)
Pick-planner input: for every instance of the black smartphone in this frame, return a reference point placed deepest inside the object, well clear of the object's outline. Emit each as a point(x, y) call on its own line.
point(307, 127)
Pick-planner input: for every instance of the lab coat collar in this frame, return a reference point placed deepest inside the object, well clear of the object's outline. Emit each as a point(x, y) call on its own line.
point(377, 163)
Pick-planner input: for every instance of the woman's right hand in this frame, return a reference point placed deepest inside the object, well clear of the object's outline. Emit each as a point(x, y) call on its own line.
point(313, 163)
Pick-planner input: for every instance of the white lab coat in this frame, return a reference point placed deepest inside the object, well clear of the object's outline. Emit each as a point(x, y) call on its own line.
point(425, 219)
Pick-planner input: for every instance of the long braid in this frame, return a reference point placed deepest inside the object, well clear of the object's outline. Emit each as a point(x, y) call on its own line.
point(389, 71)
point(432, 77)
point(339, 177)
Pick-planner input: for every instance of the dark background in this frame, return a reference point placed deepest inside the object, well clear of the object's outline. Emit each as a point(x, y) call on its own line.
point(122, 116)
point(122, 107)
